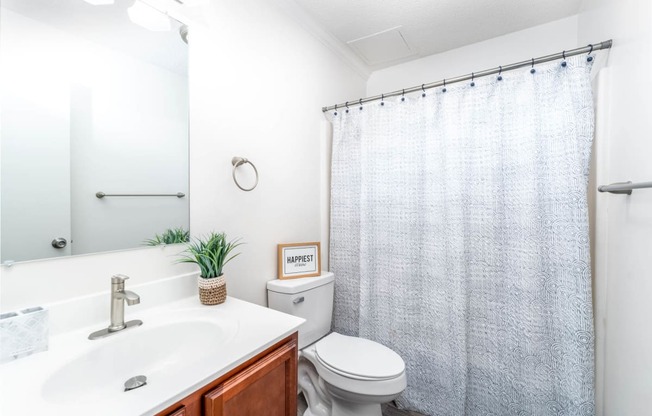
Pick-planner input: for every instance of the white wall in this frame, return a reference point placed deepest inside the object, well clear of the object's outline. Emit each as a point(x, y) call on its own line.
point(258, 81)
point(623, 282)
point(514, 47)
point(257, 85)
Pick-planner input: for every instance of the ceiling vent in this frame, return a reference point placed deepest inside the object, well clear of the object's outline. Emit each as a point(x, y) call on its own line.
point(382, 47)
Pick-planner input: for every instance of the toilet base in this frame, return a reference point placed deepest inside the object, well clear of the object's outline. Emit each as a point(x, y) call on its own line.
point(343, 408)
point(351, 397)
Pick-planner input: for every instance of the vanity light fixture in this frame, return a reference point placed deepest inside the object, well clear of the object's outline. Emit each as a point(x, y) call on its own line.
point(148, 17)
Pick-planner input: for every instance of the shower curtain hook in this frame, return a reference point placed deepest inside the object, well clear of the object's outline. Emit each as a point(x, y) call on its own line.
point(403, 95)
point(382, 99)
point(423, 94)
point(335, 110)
point(444, 89)
point(590, 58)
point(563, 55)
point(360, 103)
point(472, 79)
point(532, 71)
point(500, 73)
point(347, 106)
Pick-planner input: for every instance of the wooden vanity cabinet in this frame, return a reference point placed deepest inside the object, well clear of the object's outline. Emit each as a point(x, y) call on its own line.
point(180, 412)
point(264, 385)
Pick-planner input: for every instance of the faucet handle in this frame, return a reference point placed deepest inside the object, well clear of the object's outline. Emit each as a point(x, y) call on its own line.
point(118, 278)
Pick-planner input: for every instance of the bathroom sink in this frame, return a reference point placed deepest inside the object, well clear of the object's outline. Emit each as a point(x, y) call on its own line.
point(181, 347)
point(162, 353)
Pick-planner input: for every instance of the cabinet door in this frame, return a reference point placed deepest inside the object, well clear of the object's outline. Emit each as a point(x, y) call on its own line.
point(180, 412)
point(268, 387)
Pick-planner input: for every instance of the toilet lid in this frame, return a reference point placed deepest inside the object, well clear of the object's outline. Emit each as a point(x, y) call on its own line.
point(359, 357)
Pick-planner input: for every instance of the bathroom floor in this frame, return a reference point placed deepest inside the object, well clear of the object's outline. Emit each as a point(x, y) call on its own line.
point(388, 410)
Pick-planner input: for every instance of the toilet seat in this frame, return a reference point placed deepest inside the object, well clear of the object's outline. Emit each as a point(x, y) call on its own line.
point(371, 382)
point(358, 358)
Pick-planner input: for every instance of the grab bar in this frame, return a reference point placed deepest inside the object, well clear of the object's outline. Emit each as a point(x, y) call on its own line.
point(624, 187)
point(101, 195)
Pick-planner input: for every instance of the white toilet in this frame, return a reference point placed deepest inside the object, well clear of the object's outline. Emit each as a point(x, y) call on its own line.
point(339, 375)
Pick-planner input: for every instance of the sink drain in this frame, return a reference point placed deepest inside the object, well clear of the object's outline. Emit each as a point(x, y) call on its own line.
point(135, 382)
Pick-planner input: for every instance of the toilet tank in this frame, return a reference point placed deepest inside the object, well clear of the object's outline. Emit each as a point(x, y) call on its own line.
point(310, 298)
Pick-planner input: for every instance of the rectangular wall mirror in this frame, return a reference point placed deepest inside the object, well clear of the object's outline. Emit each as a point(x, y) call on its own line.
point(94, 98)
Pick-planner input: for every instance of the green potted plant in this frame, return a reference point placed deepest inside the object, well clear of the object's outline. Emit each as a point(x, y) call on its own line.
point(211, 255)
point(170, 236)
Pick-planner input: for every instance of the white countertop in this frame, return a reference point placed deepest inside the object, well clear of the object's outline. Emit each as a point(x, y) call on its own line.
point(26, 385)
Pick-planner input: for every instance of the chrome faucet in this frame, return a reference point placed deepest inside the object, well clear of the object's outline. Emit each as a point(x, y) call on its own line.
point(118, 298)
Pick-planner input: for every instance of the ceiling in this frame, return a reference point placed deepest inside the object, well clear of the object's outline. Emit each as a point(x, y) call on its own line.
point(386, 32)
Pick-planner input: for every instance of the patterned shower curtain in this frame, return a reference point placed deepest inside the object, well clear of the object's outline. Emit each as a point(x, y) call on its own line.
point(460, 239)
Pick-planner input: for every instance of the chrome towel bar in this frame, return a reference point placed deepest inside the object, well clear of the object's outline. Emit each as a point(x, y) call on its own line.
point(624, 187)
point(101, 195)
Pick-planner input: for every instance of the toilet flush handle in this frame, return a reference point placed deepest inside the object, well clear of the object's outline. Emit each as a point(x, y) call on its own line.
point(298, 300)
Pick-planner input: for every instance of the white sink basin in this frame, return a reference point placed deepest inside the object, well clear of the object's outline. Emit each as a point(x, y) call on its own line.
point(181, 347)
point(161, 353)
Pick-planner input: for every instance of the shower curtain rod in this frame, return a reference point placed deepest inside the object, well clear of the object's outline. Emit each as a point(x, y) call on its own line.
point(531, 62)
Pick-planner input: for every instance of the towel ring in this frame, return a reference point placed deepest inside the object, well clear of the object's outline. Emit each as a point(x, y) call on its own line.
point(238, 161)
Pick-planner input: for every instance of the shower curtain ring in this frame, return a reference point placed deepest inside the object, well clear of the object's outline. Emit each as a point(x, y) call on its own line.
point(532, 71)
point(360, 103)
point(590, 58)
point(423, 94)
point(403, 95)
point(563, 55)
point(347, 106)
point(444, 89)
point(472, 79)
point(382, 99)
point(500, 73)
point(335, 110)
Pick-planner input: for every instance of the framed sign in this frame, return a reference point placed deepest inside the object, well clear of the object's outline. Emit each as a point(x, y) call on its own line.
point(299, 260)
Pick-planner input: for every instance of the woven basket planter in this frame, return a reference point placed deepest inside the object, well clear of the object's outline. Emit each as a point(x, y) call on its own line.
point(212, 291)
